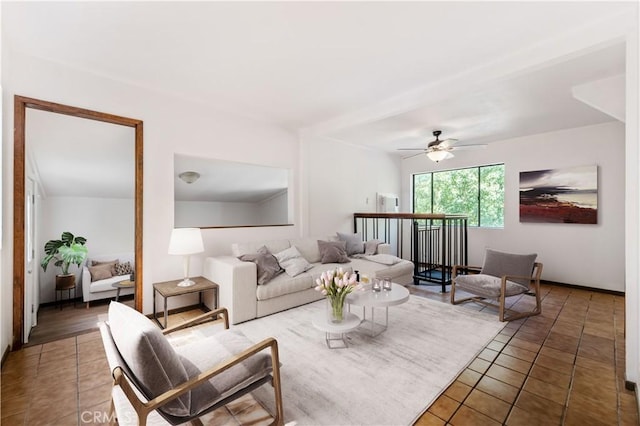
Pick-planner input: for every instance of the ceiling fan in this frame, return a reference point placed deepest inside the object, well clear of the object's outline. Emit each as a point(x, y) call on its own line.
point(439, 150)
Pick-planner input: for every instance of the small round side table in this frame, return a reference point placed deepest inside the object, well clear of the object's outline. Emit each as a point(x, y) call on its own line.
point(349, 323)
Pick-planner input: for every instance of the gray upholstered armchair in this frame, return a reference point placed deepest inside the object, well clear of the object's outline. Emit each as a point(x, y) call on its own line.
point(502, 275)
point(157, 383)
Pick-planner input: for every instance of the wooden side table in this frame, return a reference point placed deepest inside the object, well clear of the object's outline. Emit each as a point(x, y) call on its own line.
point(169, 289)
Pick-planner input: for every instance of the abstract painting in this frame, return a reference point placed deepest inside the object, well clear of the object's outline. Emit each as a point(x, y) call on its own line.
point(567, 195)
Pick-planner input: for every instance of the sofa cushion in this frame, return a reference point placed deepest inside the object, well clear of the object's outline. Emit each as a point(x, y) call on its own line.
point(107, 284)
point(385, 259)
point(149, 356)
point(292, 261)
point(353, 241)
point(122, 269)
point(487, 285)
point(371, 247)
point(266, 264)
point(308, 248)
point(333, 251)
point(207, 353)
point(378, 270)
point(319, 268)
point(284, 284)
point(497, 263)
point(101, 271)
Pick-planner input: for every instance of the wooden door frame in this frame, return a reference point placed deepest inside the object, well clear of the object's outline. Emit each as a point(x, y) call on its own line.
point(21, 104)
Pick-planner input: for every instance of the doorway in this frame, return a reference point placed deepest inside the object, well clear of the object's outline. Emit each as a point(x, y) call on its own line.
point(20, 246)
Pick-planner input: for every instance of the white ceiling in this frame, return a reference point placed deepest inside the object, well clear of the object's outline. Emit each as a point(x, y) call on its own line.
point(310, 65)
point(227, 181)
point(75, 157)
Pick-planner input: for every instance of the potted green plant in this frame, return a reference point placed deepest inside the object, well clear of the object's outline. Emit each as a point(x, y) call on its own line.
point(66, 251)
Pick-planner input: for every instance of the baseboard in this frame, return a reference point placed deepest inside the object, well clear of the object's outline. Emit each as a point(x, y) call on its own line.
point(631, 386)
point(5, 354)
point(64, 301)
point(582, 287)
point(80, 300)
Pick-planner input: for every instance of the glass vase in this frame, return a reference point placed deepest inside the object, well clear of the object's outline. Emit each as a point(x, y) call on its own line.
point(335, 309)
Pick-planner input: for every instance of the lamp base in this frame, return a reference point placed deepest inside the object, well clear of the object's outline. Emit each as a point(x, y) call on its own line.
point(186, 283)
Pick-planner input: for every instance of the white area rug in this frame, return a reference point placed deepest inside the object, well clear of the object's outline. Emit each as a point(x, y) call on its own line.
point(386, 380)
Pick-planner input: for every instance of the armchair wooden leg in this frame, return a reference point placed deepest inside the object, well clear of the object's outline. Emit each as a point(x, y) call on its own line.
point(277, 386)
point(536, 311)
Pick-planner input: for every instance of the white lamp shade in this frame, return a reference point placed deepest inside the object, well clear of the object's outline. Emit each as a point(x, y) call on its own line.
point(185, 241)
point(439, 155)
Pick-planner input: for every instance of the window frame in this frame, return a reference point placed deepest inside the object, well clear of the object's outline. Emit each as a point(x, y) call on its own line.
point(478, 194)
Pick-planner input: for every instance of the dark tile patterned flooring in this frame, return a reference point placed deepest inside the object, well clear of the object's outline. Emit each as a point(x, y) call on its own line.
point(563, 367)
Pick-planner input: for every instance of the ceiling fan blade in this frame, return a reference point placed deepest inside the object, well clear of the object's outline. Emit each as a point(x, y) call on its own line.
point(411, 149)
point(467, 147)
point(445, 143)
point(414, 155)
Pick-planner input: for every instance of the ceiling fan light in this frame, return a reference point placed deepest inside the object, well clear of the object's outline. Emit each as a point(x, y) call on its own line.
point(439, 155)
point(189, 177)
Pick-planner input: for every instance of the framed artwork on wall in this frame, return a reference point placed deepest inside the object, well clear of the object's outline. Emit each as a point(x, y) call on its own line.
point(567, 195)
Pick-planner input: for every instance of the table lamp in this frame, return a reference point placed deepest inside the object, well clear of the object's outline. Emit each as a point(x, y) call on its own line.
point(185, 242)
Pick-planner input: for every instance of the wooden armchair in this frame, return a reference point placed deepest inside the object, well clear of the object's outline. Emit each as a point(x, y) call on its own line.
point(157, 383)
point(502, 275)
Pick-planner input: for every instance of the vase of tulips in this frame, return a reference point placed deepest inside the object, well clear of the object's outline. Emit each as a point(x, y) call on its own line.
point(336, 285)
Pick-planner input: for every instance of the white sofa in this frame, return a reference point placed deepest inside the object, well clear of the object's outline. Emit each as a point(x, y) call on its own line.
point(240, 293)
point(103, 289)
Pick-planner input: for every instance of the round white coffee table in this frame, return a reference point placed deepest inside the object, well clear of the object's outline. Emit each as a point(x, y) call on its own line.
point(368, 298)
point(349, 323)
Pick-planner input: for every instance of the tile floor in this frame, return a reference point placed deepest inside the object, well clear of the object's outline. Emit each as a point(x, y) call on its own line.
point(67, 382)
point(565, 366)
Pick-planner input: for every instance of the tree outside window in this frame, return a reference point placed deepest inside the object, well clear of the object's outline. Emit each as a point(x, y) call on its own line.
point(477, 192)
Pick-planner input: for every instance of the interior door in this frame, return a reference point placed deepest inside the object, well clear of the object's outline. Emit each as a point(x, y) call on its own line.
point(31, 290)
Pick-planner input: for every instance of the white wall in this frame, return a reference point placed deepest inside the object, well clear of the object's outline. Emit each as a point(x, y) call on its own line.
point(212, 213)
point(204, 213)
point(106, 223)
point(588, 255)
point(274, 210)
point(343, 179)
point(170, 125)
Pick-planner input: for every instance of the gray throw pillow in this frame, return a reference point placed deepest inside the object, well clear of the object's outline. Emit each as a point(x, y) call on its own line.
point(149, 355)
point(333, 251)
point(497, 263)
point(354, 242)
point(266, 264)
point(292, 261)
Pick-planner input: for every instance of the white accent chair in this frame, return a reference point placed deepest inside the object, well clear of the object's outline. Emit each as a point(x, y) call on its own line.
point(157, 383)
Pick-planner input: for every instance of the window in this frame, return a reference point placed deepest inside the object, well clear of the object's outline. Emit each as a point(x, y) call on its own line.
point(477, 192)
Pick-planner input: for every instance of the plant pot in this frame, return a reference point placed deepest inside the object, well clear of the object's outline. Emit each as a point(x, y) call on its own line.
point(65, 282)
